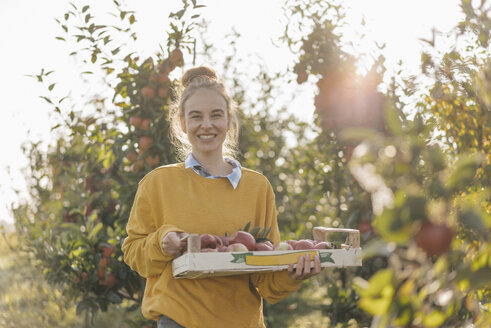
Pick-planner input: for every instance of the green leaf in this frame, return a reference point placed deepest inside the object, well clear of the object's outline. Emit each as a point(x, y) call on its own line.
point(51, 86)
point(255, 230)
point(247, 226)
point(84, 9)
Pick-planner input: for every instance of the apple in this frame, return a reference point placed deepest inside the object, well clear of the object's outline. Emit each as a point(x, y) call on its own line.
point(145, 125)
point(238, 247)
point(145, 142)
point(283, 246)
point(292, 243)
point(148, 92)
point(136, 121)
point(132, 156)
point(244, 238)
point(225, 240)
point(321, 245)
point(152, 160)
point(304, 244)
point(208, 241)
point(107, 251)
point(433, 238)
point(222, 248)
point(263, 247)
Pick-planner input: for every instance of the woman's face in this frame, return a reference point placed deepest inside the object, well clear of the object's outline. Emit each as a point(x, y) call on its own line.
point(205, 122)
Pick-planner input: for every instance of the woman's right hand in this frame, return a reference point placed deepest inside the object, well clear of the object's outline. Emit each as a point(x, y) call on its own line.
point(173, 244)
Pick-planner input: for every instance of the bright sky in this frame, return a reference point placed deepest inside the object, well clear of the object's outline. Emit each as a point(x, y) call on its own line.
point(28, 31)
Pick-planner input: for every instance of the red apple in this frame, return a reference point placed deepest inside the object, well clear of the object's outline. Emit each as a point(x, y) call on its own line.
point(321, 245)
point(208, 241)
point(292, 243)
point(238, 247)
point(225, 240)
point(145, 125)
point(148, 92)
point(222, 248)
point(433, 238)
point(304, 244)
point(145, 142)
point(283, 246)
point(135, 121)
point(244, 238)
point(263, 247)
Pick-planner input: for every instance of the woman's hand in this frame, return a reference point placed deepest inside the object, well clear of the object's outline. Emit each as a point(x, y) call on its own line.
point(303, 270)
point(173, 244)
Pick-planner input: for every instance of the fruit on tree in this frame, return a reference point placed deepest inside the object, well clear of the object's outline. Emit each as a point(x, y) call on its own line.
point(145, 124)
point(136, 121)
point(434, 238)
point(244, 238)
point(152, 160)
point(132, 156)
point(148, 92)
point(145, 142)
point(107, 251)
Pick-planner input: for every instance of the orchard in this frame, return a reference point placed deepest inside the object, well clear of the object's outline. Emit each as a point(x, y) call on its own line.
point(414, 180)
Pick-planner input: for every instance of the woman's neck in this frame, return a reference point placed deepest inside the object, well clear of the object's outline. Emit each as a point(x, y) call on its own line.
point(216, 165)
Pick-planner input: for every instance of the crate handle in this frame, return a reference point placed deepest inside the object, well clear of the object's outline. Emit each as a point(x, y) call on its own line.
point(320, 234)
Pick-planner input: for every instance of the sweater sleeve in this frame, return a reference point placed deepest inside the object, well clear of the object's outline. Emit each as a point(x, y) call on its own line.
point(273, 286)
point(142, 248)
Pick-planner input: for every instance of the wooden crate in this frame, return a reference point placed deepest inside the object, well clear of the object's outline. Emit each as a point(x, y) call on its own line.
point(194, 264)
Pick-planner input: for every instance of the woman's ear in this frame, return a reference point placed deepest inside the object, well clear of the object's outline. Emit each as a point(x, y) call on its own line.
point(183, 124)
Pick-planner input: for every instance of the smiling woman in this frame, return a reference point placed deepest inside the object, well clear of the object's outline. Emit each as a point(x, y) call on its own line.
point(207, 194)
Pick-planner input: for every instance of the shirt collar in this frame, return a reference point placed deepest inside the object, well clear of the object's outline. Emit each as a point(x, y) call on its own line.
point(233, 177)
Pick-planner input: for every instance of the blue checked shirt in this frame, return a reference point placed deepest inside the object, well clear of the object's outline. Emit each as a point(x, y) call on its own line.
point(233, 177)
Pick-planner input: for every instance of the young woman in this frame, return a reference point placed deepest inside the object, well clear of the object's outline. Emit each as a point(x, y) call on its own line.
point(208, 193)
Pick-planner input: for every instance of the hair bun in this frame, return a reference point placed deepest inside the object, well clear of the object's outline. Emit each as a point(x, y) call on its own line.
point(198, 73)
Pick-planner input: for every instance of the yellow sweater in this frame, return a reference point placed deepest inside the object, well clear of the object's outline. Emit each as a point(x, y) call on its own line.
point(172, 198)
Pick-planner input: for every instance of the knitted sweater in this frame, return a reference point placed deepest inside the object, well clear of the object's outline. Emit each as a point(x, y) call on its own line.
point(172, 198)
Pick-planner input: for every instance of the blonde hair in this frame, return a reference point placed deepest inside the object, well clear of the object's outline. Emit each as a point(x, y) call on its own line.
point(194, 79)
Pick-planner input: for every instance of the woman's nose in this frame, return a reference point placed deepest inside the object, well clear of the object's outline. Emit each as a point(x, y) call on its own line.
point(206, 122)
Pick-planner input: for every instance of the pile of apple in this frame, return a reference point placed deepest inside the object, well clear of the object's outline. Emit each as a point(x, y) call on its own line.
point(242, 241)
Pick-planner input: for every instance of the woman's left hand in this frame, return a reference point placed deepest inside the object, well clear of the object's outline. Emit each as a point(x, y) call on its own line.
point(303, 270)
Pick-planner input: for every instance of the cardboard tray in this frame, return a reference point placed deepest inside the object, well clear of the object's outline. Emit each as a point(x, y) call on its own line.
point(194, 264)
